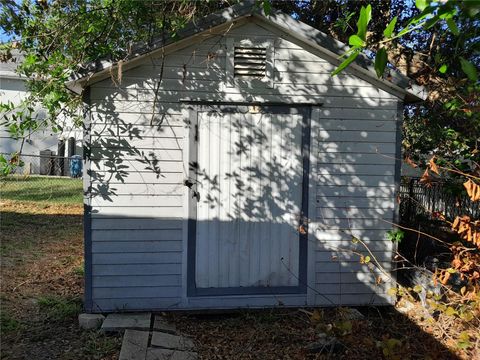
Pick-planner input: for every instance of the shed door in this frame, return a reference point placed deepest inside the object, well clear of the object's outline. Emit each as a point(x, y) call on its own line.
point(252, 165)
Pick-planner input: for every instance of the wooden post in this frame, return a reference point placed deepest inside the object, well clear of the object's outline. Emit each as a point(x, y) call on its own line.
point(410, 198)
point(70, 153)
point(59, 164)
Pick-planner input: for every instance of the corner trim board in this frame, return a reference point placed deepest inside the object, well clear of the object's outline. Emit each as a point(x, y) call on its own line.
point(87, 208)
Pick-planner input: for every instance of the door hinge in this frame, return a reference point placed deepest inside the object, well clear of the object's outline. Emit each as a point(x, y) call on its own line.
point(196, 132)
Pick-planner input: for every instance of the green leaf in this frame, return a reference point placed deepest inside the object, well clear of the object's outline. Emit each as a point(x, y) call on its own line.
point(355, 40)
point(418, 289)
point(345, 63)
point(367, 259)
point(380, 61)
point(469, 69)
point(450, 311)
point(390, 27)
point(431, 22)
point(421, 4)
point(443, 69)
point(363, 20)
point(453, 27)
point(392, 291)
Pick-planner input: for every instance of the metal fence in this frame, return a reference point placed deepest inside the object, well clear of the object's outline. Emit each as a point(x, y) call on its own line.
point(44, 178)
point(418, 201)
point(47, 163)
point(40, 188)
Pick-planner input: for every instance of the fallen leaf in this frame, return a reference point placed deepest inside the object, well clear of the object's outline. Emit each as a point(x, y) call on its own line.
point(473, 190)
point(426, 179)
point(410, 162)
point(433, 166)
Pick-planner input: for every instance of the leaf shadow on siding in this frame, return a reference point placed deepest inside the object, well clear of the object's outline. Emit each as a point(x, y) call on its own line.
point(353, 144)
point(138, 176)
point(128, 109)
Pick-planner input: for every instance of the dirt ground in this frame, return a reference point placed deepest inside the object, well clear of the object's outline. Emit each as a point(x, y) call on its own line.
point(41, 279)
point(42, 285)
point(286, 334)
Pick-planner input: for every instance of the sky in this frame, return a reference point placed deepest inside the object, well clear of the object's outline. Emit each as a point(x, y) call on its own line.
point(3, 37)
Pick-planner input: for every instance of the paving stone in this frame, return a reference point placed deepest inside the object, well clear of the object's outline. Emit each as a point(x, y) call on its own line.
point(161, 325)
point(120, 322)
point(169, 341)
point(90, 321)
point(134, 345)
point(165, 354)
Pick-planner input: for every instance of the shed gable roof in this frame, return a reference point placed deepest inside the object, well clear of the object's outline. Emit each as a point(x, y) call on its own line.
point(215, 23)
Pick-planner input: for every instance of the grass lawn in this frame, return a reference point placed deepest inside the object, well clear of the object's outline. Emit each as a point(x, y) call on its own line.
point(42, 276)
point(58, 190)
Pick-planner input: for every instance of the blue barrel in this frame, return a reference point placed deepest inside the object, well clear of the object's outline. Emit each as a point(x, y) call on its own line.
point(76, 166)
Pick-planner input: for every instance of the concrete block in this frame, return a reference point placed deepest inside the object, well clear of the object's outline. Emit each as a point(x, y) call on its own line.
point(121, 322)
point(174, 342)
point(134, 345)
point(90, 321)
point(165, 354)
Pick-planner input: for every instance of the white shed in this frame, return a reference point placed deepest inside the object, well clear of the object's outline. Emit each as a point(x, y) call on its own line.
point(229, 169)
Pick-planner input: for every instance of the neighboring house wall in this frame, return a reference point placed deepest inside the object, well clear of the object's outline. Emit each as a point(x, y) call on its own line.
point(12, 89)
point(138, 239)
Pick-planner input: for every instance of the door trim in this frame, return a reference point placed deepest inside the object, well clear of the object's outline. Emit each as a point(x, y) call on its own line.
point(301, 288)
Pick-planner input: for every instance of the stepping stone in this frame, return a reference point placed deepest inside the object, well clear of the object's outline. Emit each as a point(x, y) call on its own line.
point(90, 321)
point(134, 345)
point(163, 326)
point(164, 354)
point(168, 341)
point(121, 322)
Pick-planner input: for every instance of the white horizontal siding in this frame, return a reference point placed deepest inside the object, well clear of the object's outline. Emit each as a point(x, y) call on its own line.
point(130, 245)
point(135, 166)
point(115, 211)
point(137, 281)
point(115, 235)
point(146, 188)
point(136, 237)
point(150, 292)
point(137, 269)
point(355, 192)
point(356, 170)
point(162, 257)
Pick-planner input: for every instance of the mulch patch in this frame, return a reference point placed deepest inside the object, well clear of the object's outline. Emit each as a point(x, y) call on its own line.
point(285, 334)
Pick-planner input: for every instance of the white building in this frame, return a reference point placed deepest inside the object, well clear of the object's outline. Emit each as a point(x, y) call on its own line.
point(12, 89)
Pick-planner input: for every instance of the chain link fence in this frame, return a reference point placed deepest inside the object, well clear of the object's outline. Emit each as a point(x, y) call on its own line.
point(44, 178)
point(47, 163)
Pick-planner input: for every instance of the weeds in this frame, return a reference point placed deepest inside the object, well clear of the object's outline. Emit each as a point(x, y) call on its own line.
point(8, 323)
point(98, 345)
point(60, 309)
point(79, 270)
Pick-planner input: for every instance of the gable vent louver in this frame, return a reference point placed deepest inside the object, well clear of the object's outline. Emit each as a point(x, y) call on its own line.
point(250, 61)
